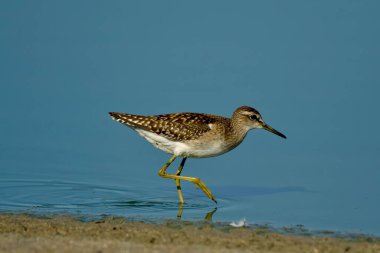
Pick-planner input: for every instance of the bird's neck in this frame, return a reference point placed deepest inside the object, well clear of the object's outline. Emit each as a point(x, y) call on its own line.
point(238, 130)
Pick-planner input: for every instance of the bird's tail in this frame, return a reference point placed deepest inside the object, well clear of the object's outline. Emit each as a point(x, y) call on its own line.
point(119, 117)
point(131, 120)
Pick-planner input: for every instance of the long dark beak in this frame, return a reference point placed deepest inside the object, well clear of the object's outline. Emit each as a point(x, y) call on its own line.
point(270, 129)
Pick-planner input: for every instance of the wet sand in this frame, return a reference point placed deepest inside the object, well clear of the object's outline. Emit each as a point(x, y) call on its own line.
point(23, 233)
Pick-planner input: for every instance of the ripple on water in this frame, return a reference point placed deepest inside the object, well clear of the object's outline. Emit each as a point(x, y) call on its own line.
point(90, 201)
point(52, 197)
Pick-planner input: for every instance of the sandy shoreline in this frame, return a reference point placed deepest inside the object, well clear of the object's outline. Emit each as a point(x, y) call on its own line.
point(23, 233)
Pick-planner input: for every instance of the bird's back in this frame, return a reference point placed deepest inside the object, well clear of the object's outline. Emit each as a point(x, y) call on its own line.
point(175, 126)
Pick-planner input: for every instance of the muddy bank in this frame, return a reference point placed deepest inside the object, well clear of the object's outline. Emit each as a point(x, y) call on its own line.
point(23, 233)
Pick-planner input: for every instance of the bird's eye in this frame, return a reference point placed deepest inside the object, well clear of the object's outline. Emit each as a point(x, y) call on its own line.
point(253, 117)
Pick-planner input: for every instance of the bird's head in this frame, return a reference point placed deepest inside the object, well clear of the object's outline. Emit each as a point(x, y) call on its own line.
point(250, 118)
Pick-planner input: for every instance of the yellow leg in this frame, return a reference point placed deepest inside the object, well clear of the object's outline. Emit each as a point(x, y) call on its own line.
point(163, 169)
point(177, 181)
point(180, 210)
point(194, 180)
point(209, 215)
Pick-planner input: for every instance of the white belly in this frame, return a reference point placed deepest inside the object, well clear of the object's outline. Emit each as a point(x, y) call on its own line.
point(207, 149)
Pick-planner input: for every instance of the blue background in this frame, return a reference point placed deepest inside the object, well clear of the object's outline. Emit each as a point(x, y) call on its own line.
point(310, 67)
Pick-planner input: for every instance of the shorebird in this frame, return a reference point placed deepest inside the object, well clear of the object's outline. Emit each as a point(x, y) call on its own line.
point(196, 135)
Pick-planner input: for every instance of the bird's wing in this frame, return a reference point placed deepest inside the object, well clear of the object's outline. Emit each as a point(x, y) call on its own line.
point(176, 126)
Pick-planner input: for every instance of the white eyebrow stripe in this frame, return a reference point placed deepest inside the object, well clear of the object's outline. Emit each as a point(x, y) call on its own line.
point(246, 113)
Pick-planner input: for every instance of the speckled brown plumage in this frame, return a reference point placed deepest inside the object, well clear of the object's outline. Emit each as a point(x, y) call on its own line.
point(195, 134)
point(175, 126)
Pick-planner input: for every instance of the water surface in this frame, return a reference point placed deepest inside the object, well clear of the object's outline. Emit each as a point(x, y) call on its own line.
point(309, 67)
point(92, 193)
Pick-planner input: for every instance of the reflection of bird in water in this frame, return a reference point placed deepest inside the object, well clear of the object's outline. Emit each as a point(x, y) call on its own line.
point(208, 216)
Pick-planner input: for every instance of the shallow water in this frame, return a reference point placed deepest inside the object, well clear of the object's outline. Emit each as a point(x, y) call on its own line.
point(95, 194)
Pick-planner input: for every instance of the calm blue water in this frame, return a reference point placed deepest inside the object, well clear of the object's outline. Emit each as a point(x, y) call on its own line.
point(47, 182)
point(310, 68)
